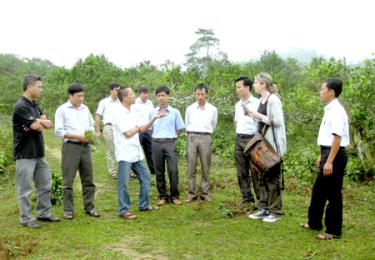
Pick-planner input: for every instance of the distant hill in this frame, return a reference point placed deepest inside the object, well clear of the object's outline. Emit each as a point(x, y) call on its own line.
point(301, 55)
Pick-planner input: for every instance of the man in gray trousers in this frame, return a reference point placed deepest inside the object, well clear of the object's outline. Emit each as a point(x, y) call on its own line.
point(29, 122)
point(72, 120)
point(200, 122)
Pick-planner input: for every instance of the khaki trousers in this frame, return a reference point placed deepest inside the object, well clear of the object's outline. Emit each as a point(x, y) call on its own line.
point(198, 145)
point(110, 148)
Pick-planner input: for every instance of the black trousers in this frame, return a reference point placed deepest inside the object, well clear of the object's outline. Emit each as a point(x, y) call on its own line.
point(146, 142)
point(328, 188)
point(244, 176)
point(166, 152)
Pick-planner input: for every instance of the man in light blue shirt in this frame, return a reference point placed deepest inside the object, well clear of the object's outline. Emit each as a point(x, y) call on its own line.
point(165, 132)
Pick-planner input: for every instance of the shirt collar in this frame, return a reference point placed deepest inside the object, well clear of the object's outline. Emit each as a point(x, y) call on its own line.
point(331, 104)
point(167, 109)
point(139, 100)
point(113, 101)
point(32, 103)
point(249, 100)
point(72, 106)
point(198, 106)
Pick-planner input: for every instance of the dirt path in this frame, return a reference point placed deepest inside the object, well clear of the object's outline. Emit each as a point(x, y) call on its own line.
point(54, 152)
point(123, 248)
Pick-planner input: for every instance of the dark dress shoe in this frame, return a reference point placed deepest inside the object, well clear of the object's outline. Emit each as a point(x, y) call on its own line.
point(247, 201)
point(93, 213)
point(31, 224)
point(50, 218)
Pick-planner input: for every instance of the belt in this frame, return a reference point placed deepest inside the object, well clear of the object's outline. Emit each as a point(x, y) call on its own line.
point(198, 133)
point(108, 124)
point(164, 140)
point(323, 147)
point(245, 136)
point(77, 143)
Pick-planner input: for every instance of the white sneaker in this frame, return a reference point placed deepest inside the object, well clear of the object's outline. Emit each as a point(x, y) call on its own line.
point(272, 218)
point(263, 213)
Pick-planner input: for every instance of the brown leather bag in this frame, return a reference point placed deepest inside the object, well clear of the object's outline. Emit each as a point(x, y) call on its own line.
point(261, 152)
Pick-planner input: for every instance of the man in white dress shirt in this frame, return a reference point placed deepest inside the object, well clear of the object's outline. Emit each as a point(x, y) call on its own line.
point(143, 106)
point(129, 154)
point(72, 120)
point(106, 109)
point(200, 122)
point(246, 127)
point(333, 138)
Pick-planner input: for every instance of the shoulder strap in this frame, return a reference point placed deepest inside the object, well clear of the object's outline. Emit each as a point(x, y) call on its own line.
point(265, 127)
point(274, 139)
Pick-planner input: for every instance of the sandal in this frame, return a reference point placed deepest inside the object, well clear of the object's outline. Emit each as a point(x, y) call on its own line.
point(305, 226)
point(114, 176)
point(326, 236)
point(150, 208)
point(128, 215)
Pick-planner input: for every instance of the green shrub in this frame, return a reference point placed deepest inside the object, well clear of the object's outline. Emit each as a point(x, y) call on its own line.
point(6, 156)
point(57, 184)
point(299, 166)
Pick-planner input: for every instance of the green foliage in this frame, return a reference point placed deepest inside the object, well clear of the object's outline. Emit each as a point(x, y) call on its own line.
point(299, 166)
point(223, 140)
point(6, 156)
point(358, 97)
point(12, 72)
point(57, 184)
point(298, 85)
point(181, 147)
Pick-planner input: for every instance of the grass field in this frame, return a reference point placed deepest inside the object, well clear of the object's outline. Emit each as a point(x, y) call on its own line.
point(217, 230)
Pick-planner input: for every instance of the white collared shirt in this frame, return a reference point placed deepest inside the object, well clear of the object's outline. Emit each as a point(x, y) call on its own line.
point(73, 120)
point(143, 109)
point(201, 118)
point(127, 149)
point(246, 124)
point(335, 121)
point(107, 108)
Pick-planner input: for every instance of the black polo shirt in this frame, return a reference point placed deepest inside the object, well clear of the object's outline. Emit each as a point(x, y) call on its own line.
point(26, 144)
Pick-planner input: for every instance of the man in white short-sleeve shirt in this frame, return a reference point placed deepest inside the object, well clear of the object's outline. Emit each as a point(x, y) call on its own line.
point(333, 138)
point(126, 126)
point(106, 110)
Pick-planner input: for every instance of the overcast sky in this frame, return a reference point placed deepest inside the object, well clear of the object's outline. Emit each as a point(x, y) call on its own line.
point(128, 32)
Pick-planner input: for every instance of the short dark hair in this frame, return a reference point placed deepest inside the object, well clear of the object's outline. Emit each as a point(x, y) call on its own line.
point(164, 89)
point(29, 80)
point(201, 86)
point(246, 81)
point(114, 85)
point(75, 88)
point(334, 84)
point(143, 89)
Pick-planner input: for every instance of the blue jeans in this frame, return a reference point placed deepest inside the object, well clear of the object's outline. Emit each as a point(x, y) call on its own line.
point(123, 183)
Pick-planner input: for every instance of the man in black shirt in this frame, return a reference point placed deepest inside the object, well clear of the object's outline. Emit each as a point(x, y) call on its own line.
point(28, 145)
